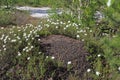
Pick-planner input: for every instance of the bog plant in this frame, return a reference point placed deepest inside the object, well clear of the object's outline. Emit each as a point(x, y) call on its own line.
point(25, 56)
point(95, 22)
point(5, 17)
point(102, 15)
point(20, 52)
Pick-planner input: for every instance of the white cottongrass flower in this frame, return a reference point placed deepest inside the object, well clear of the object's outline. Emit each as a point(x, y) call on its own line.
point(83, 40)
point(27, 50)
point(30, 32)
point(99, 55)
point(29, 43)
point(78, 36)
point(119, 68)
point(15, 34)
point(56, 27)
point(69, 62)
point(97, 73)
point(46, 56)
point(14, 40)
point(2, 37)
point(81, 30)
point(18, 37)
point(24, 49)
point(39, 52)
point(4, 49)
point(47, 25)
point(9, 38)
point(64, 28)
point(39, 26)
point(3, 46)
point(88, 70)
point(85, 34)
point(68, 21)
point(19, 30)
point(61, 22)
point(29, 35)
point(74, 24)
point(28, 58)
point(109, 3)
point(84, 31)
point(19, 54)
point(32, 47)
point(90, 30)
point(67, 26)
point(24, 34)
point(52, 57)
point(27, 39)
point(6, 38)
point(2, 27)
point(38, 39)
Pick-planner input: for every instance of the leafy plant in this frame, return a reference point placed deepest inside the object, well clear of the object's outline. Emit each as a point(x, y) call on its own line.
point(5, 17)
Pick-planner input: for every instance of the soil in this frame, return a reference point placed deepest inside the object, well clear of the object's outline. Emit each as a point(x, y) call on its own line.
point(66, 49)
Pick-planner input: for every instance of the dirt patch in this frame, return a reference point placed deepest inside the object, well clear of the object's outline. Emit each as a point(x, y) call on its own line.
point(66, 49)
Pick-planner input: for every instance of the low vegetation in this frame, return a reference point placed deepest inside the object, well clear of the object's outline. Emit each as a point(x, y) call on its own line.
point(21, 57)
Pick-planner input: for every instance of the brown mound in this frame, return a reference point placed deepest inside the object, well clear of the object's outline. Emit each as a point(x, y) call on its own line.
point(66, 49)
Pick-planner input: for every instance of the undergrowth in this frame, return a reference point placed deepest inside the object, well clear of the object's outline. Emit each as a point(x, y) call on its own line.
point(21, 57)
point(20, 54)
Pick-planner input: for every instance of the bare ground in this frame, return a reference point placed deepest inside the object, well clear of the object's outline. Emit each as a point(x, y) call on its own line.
point(66, 49)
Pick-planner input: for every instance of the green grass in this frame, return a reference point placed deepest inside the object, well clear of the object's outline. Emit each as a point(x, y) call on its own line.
point(50, 3)
point(6, 17)
point(19, 48)
point(18, 45)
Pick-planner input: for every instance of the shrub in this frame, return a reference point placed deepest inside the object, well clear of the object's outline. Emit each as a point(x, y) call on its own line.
point(5, 17)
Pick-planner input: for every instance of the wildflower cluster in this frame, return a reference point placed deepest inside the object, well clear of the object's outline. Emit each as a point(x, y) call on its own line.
point(21, 41)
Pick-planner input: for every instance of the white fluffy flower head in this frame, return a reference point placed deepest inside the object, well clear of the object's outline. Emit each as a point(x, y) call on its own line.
point(88, 70)
point(99, 55)
point(19, 54)
point(97, 73)
point(119, 68)
point(69, 62)
point(28, 58)
point(52, 57)
point(78, 36)
point(109, 3)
